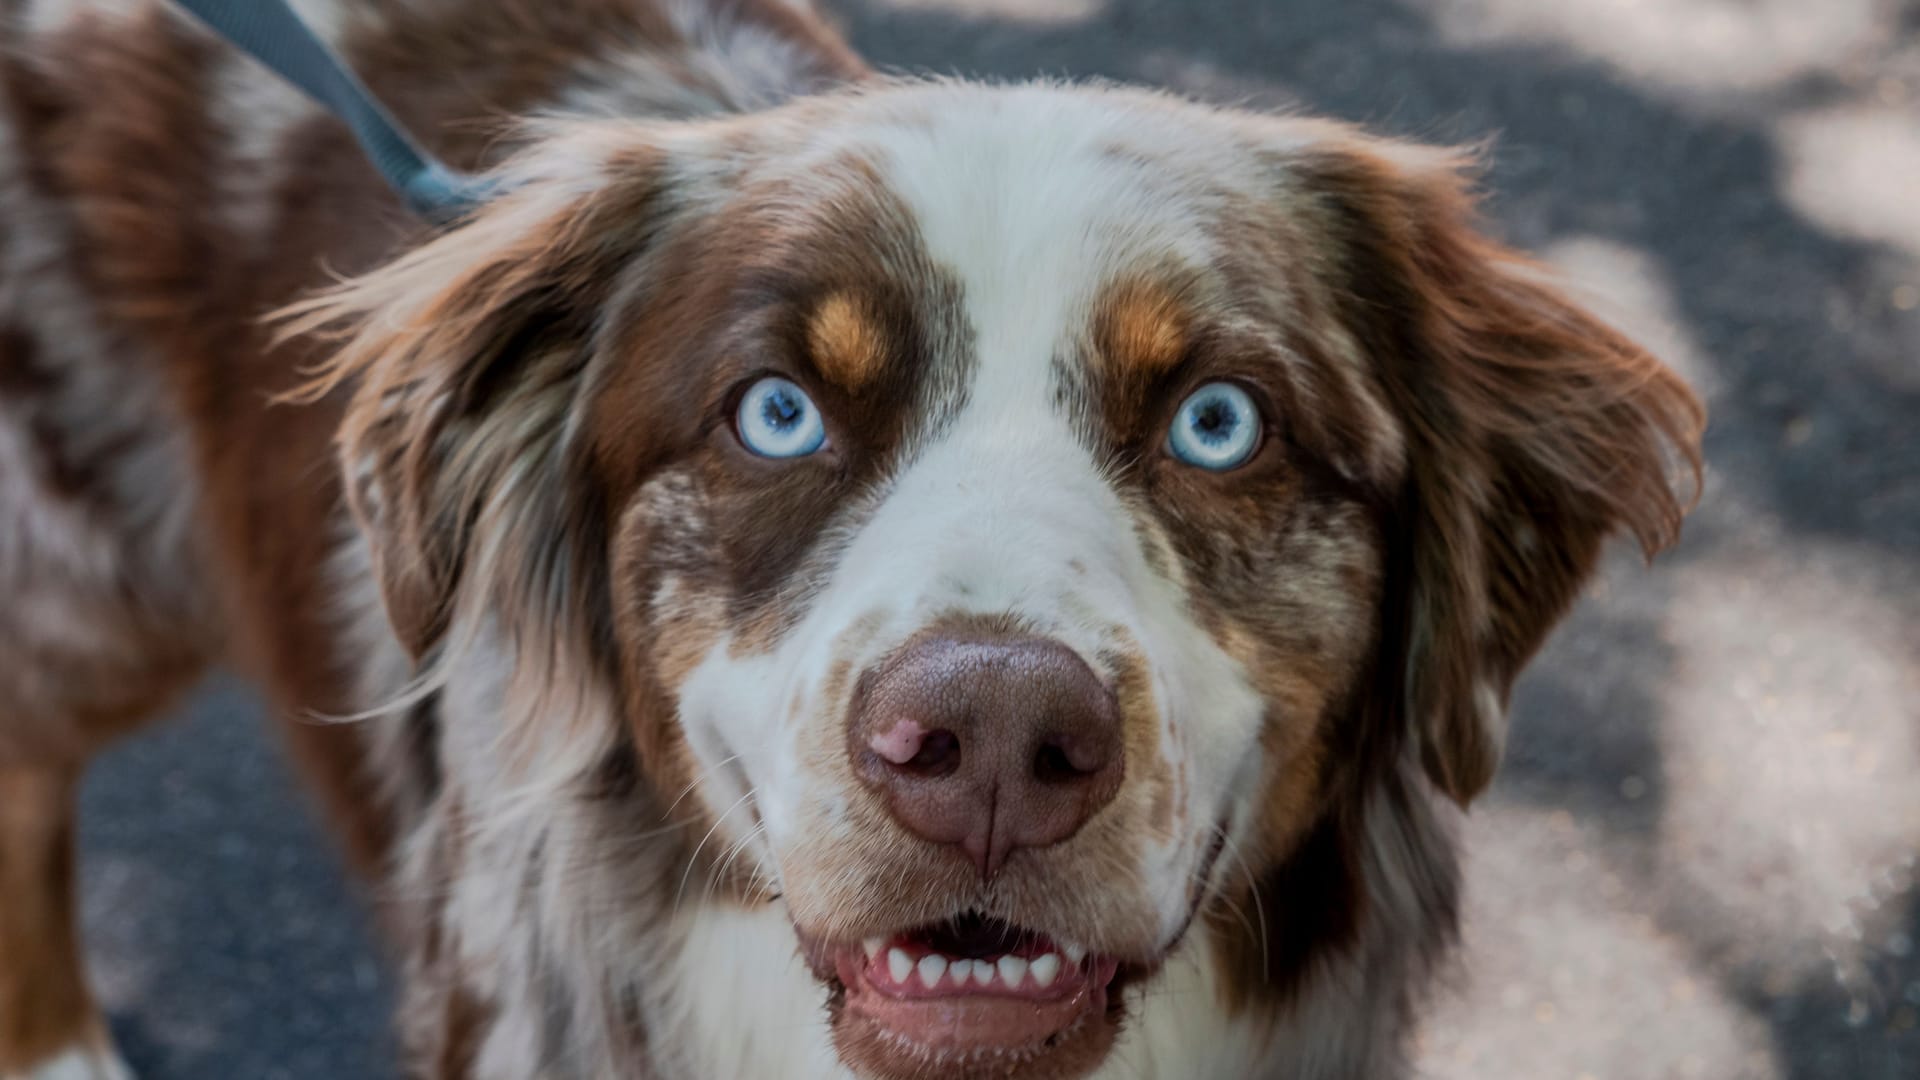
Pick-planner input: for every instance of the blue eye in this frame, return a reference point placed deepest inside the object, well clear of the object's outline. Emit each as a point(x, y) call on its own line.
point(1217, 428)
point(778, 420)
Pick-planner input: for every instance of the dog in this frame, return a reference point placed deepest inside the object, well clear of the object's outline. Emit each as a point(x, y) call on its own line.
point(820, 575)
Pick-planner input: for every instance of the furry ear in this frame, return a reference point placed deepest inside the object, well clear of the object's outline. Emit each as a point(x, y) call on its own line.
point(465, 361)
point(1534, 431)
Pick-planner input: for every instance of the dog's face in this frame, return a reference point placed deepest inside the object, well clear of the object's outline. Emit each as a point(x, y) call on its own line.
point(1010, 522)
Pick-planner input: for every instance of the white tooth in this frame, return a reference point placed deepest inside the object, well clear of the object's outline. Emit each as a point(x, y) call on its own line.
point(872, 945)
point(932, 966)
point(982, 972)
point(1012, 970)
point(899, 965)
point(1045, 968)
point(1075, 953)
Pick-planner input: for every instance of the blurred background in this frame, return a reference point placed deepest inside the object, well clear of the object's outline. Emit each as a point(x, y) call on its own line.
point(1699, 860)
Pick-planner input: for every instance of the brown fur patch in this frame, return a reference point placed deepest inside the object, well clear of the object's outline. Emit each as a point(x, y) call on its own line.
point(846, 344)
point(1142, 325)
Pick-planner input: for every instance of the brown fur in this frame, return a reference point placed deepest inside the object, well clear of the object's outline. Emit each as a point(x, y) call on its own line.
point(44, 1004)
point(110, 117)
point(1535, 433)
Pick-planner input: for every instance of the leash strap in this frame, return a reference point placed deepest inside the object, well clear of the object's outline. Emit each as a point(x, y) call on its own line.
point(271, 32)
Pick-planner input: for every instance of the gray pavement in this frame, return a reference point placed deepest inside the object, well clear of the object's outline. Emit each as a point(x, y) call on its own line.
point(1699, 861)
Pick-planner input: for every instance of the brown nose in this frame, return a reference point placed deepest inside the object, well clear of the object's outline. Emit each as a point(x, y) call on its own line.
point(989, 743)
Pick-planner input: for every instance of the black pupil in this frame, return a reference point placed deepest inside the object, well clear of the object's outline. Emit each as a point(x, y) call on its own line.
point(780, 409)
point(1215, 420)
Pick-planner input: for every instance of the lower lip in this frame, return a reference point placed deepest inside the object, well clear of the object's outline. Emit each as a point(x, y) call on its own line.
point(954, 1017)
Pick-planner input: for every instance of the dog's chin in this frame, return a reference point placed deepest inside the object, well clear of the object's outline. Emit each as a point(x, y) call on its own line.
point(969, 998)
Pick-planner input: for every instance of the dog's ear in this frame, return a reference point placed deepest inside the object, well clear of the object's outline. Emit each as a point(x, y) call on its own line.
point(463, 362)
point(1533, 432)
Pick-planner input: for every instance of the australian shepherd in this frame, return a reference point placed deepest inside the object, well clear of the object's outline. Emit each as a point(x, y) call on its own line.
point(820, 575)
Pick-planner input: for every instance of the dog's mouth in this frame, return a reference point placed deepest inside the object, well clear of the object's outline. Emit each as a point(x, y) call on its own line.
point(973, 994)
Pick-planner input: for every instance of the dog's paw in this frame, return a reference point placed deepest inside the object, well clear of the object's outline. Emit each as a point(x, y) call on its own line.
point(89, 1062)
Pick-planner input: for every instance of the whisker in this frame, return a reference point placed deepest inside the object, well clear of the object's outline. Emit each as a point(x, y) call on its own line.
point(688, 790)
point(692, 860)
point(1253, 885)
point(726, 861)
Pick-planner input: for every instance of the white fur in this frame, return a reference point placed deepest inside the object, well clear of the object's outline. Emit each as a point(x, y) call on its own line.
point(256, 110)
point(1180, 1032)
point(78, 1063)
point(724, 64)
point(734, 964)
point(52, 16)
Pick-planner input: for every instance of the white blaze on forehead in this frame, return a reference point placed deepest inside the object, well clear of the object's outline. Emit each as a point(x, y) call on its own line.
point(1020, 196)
point(1030, 199)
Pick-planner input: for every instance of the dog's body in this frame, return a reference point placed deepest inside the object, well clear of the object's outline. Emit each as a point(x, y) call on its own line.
point(656, 711)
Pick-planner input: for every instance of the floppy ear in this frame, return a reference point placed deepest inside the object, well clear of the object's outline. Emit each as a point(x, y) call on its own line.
point(464, 361)
point(1534, 432)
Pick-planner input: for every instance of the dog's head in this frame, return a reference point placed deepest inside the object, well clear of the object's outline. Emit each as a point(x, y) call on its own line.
point(1009, 521)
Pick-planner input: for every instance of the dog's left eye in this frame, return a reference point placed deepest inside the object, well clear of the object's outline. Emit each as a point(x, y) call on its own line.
point(778, 420)
point(1217, 428)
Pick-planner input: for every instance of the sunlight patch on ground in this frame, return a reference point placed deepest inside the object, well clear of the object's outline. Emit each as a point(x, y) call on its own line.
point(116, 893)
point(1708, 45)
point(1627, 287)
point(1553, 930)
point(1791, 767)
point(1855, 170)
point(122, 900)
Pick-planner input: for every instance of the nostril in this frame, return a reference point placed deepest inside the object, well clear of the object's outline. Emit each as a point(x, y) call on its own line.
point(1051, 766)
point(1057, 761)
point(939, 754)
point(910, 748)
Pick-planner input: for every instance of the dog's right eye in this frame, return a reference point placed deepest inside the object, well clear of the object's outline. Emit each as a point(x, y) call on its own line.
point(777, 419)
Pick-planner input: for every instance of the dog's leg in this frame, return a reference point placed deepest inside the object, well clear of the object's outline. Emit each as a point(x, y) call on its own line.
point(50, 1028)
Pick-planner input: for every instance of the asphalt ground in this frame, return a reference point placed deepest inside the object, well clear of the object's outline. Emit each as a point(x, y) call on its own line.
point(1699, 860)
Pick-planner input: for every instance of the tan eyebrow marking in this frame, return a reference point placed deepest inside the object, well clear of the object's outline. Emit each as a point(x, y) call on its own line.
point(845, 340)
point(1141, 326)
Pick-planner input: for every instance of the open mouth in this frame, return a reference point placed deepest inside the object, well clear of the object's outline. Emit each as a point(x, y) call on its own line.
point(972, 991)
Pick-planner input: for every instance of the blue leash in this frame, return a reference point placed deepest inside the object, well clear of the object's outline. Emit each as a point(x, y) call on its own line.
point(272, 33)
